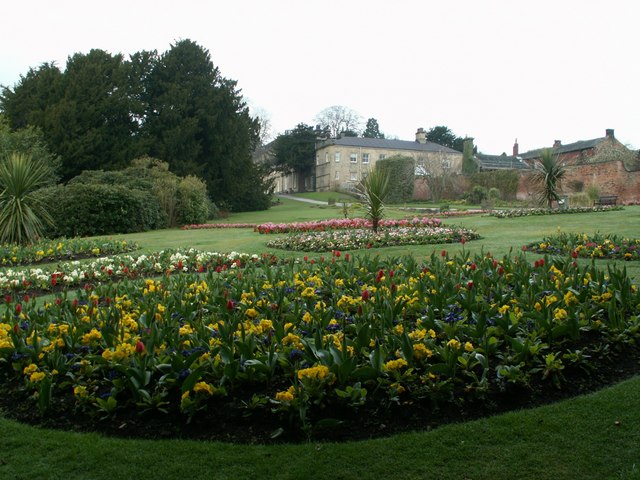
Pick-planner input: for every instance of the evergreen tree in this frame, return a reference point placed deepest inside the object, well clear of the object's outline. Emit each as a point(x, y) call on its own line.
point(372, 130)
point(295, 152)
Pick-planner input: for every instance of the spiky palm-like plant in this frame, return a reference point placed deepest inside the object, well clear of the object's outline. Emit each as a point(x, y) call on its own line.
point(548, 178)
point(374, 189)
point(22, 214)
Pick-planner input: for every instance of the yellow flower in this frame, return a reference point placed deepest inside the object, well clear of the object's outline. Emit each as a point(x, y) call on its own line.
point(420, 351)
point(560, 314)
point(306, 317)
point(36, 377)
point(203, 387)
point(252, 312)
point(286, 395)
point(468, 347)
point(454, 344)
point(319, 372)
point(29, 369)
point(397, 364)
point(308, 292)
point(92, 336)
point(80, 391)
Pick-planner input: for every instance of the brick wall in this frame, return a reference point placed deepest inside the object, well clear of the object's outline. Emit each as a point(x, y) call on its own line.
point(611, 178)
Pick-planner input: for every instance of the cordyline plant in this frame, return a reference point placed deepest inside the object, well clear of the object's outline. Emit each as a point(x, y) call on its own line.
point(22, 214)
point(548, 178)
point(374, 189)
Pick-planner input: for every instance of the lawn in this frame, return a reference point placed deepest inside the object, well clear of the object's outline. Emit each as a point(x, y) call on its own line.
point(595, 436)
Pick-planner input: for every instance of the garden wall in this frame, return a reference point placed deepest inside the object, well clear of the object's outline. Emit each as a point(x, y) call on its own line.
point(611, 177)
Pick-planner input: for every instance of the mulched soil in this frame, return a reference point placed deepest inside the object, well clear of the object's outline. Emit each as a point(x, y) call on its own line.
point(227, 423)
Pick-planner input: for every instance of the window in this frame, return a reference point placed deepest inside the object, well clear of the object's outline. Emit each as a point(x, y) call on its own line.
point(353, 158)
point(365, 158)
point(382, 156)
point(337, 156)
point(354, 176)
point(326, 157)
point(337, 177)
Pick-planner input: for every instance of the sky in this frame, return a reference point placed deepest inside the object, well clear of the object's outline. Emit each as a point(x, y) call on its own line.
point(495, 70)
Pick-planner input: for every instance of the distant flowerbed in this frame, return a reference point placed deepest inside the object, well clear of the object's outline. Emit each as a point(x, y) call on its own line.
point(344, 223)
point(308, 342)
point(585, 246)
point(62, 249)
point(204, 226)
point(325, 241)
point(77, 274)
point(524, 212)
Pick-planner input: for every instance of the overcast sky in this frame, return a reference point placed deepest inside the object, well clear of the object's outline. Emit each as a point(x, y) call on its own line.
point(494, 70)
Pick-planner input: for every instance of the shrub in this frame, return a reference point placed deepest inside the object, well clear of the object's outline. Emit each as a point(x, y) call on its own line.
point(580, 199)
point(593, 192)
point(494, 194)
point(98, 209)
point(505, 180)
point(477, 195)
point(192, 204)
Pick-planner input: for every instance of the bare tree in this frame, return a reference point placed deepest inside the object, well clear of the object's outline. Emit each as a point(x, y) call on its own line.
point(338, 119)
point(437, 173)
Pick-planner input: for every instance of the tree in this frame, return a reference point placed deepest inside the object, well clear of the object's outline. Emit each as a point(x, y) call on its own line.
point(338, 119)
point(548, 178)
point(22, 215)
point(469, 166)
point(372, 130)
point(445, 137)
point(295, 151)
point(197, 121)
point(374, 190)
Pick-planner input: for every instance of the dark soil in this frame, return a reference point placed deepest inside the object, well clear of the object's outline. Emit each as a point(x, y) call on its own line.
point(227, 423)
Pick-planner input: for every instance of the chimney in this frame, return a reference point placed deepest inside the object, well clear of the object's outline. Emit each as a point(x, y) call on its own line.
point(515, 148)
point(609, 133)
point(557, 143)
point(421, 136)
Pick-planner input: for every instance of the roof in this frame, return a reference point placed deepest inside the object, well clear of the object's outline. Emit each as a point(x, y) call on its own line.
point(363, 142)
point(570, 147)
point(500, 162)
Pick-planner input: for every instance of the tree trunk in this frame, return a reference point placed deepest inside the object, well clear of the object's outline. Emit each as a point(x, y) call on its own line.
point(301, 179)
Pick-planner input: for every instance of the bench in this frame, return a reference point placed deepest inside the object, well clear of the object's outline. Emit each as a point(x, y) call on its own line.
point(607, 200)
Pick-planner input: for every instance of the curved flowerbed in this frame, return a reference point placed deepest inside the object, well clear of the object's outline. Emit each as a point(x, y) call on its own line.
point(299, 345)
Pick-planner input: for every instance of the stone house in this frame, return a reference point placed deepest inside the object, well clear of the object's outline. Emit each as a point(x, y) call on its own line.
point(341, 163)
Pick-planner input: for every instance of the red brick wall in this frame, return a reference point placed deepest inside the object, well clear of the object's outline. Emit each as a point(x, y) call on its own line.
point(611, 177)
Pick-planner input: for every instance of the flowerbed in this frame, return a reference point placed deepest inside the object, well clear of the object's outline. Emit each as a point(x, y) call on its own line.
point(204, 226)
point(310, 344)
point(77, 274)
point(343, 224)
point(585, 246)
point(524, 212)
point(62, 249)
point(330, 240)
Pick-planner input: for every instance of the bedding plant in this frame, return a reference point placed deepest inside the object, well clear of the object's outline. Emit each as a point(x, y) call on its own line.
point(581, 245)
point(315, 348)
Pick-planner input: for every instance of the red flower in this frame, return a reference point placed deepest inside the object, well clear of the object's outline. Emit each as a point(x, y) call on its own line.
point(524, 248)
point(7, 298)
point(473, 267)
point(463, 240)
point(230, 305)
point(346, 257)
point(140, 348)
point(306, 258)
point(575, 254)
point(443, 253)
point(365, 295)
point(18, 308)
point(26, 299)
point(469, 285)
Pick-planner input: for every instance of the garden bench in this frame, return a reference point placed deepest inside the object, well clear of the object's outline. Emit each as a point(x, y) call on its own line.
point(607, 200)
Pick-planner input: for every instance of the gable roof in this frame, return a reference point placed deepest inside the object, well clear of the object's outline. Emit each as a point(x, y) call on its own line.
point(500, 162)
point(570, 147)
point(362, 142)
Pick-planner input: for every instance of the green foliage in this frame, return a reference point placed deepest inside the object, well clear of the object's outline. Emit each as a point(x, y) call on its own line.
point(593, 191)
point(548, 178)
point(400, 171)
point(372, 129)
point(505, 180)
point(27, 141)
point(99, 209)
point(494, 194)
point(469, 166)
point(374, 189)
point(192, 204)
point(23, 216)
point(444, 136)
point(295, 152)
point(477, 195)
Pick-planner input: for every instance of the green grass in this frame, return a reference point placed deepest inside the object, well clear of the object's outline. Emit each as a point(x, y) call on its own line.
point(578, 438)
point(326, 196)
